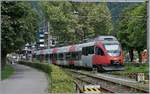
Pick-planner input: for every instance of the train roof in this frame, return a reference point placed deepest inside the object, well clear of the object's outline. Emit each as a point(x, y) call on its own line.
point(63, 49)
point(78, 47)
point(102, 38)
point(107, 39)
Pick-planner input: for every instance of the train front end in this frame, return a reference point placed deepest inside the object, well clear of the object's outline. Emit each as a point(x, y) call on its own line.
point(113, 54)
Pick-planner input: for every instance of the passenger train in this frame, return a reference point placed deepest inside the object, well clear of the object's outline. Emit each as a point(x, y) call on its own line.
point(102, 53)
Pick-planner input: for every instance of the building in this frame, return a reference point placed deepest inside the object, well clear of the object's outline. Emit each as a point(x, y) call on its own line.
point(44, 39)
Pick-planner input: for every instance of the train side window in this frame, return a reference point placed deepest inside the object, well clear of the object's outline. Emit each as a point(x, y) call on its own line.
point(84, 51)
point(55, 56)
point(61, 56)
point(99, 51)
point(91, 50)
point(75, 56)
point(88, 50)
point(79, 55)
point(47, 56)
point(68, 56)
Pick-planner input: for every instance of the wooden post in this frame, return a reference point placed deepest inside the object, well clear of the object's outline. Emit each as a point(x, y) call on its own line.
point(140, 77)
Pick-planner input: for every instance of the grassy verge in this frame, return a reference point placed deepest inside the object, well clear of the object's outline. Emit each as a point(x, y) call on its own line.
point(7, 71)
point(59, 81)
point(137, 68)
point(134, 68)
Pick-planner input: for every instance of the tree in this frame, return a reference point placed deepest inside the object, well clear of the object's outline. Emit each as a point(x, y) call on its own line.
point(94, 19)
point(100, 19)
point(132, 29)
point(60, 16)
point(72, 21)
point(19, 23)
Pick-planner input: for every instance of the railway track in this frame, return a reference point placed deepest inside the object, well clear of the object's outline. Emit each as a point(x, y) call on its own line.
point(107, 85)
point(80, 81)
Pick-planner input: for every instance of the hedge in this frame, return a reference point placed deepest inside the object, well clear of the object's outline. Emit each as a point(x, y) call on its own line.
point(41, 66)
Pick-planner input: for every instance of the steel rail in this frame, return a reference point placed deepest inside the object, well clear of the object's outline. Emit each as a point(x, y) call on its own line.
point(96, 79)
point(88, 82)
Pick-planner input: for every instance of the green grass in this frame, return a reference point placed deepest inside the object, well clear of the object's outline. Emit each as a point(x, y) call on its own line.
point(134, 68)
point(7, 71)
point(137, 68)
point(61, 82)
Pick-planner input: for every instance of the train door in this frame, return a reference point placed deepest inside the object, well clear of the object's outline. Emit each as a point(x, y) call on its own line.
point(78, 59)
point(51, 58)
point(54, 58)
point(99, 57)
point(87, 54)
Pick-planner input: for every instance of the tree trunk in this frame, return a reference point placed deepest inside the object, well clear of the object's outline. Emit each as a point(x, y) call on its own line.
point(3, 59)
point(131, 54)
point(140, 58)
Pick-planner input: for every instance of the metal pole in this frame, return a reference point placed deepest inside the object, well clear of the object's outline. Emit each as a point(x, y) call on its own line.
point(48, 41)
point(48, 34)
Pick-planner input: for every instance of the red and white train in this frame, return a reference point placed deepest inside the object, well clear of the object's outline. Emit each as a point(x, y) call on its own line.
point(103, 53)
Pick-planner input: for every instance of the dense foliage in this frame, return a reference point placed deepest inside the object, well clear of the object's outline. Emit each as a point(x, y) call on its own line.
point(116, 8)
point(72, 21)
point(132, 28)
point(19, 23)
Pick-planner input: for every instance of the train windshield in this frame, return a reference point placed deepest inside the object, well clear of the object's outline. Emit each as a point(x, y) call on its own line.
point(113, 49)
